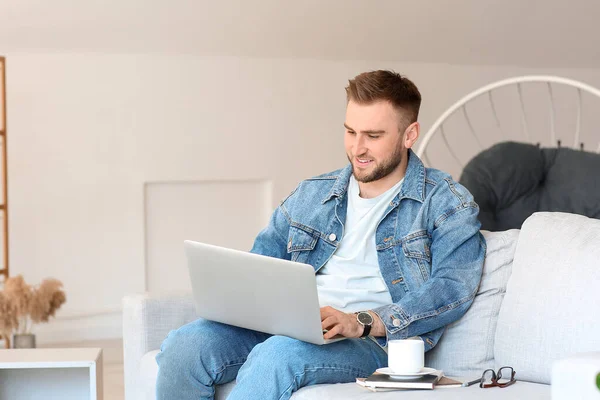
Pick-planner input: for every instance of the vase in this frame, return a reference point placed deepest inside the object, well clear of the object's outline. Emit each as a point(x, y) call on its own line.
point(23, 341)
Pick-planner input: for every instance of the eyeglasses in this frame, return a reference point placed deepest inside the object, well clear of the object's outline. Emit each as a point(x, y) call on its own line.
point(503, 378)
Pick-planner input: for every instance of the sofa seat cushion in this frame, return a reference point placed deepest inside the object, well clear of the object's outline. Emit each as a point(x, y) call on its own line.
point(467, 346)
point(550, 308)
point(148, 375)
point(351, 391)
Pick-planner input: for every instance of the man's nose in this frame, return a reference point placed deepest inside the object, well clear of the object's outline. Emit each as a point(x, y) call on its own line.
point(360, 145)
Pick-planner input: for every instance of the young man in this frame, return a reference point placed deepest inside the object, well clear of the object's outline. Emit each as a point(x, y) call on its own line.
point(396, 248)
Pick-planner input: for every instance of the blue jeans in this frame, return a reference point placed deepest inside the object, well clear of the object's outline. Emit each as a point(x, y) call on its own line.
point(202, 354)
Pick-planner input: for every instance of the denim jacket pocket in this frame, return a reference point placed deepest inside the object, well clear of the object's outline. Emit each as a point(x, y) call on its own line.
point(300, 243)
point(416, 247)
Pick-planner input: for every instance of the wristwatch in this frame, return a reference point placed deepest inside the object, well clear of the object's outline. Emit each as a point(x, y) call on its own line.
point(366, 320)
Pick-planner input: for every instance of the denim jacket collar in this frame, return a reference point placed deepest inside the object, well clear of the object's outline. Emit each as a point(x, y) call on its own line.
point(412, 188)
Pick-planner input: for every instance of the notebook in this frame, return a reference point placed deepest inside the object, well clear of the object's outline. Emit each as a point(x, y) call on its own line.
point(382, 382)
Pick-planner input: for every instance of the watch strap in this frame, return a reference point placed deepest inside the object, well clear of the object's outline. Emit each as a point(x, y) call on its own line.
point(366, 331)
point(366, 327)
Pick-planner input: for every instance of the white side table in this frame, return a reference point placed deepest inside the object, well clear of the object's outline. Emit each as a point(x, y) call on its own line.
point(51, 374)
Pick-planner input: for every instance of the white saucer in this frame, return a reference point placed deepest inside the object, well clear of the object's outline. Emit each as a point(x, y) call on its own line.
point(410, 375)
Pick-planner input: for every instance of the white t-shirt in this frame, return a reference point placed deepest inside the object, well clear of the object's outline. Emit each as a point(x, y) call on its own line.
point(351, 280)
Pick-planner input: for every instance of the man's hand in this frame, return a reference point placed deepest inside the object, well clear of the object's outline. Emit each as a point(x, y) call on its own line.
point(339, 323)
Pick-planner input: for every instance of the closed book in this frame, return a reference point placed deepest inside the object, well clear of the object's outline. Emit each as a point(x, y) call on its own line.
point(446, 382)
point(361, 382)
point(385, 381)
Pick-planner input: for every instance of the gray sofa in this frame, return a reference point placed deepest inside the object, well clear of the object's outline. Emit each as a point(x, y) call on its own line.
point(533, 308)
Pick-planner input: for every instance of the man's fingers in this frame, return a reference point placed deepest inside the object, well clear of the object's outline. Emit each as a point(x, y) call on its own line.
point(328, 322)
point(332, 332)
point(336, 322)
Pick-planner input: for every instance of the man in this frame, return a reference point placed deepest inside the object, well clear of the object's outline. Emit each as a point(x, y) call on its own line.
point(396, 248)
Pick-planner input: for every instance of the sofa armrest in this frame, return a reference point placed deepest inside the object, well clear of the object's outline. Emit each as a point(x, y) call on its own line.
point(576, 376)
point(147, 319)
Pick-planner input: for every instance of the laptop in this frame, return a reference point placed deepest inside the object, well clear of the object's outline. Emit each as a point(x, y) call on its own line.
point(255, 292)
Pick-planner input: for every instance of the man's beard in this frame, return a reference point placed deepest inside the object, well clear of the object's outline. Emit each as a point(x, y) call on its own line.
point(381, 171)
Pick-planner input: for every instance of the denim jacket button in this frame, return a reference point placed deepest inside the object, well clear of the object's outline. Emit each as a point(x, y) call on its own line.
point(396, 322)
point(332, 237)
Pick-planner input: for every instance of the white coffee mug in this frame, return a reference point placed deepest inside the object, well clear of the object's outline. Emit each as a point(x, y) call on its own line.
point(406, 356)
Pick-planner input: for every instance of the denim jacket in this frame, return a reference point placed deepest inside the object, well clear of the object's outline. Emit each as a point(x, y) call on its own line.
point(429, 247)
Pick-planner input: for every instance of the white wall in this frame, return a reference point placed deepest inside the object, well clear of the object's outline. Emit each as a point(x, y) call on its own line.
point(87, 132)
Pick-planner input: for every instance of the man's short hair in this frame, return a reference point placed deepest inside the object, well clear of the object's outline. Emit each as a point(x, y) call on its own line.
point(382, 85)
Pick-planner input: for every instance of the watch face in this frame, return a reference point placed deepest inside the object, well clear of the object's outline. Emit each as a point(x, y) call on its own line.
point(365, 318)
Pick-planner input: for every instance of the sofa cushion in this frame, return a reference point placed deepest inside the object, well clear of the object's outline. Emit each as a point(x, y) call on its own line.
point(148, 375)
point(345, 391)
point(467, 346)
point(510, 181)
point(549, 311)
point(351, 391)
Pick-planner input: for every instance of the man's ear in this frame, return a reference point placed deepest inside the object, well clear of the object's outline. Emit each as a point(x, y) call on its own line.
point(411, 134)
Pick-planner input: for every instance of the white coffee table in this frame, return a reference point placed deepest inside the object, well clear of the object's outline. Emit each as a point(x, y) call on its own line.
point(51, 373)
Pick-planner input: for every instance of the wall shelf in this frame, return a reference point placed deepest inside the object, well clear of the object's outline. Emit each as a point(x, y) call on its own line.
point(4, 270)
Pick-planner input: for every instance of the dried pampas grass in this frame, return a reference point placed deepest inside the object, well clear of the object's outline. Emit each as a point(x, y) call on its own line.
point(22, 305)
point(46, 300)
point(19, 294)
point(8, 315)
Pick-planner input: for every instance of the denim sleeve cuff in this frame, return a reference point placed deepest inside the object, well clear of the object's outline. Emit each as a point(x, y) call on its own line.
point(394, 319)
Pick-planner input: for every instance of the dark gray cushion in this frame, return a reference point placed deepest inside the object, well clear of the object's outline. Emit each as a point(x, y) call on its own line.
point(510, 181)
